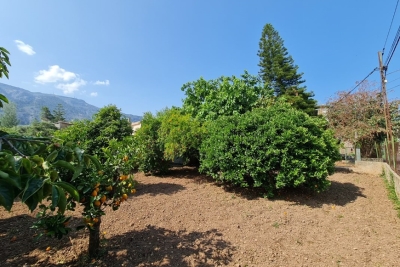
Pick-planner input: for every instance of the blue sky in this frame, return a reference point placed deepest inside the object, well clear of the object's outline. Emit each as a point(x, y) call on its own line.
point(138, 54)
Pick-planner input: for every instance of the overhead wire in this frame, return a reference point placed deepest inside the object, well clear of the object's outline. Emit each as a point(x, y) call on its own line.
point(393, 48)
point(392, 72)
point(393, 80)
point(390, 27)
point(394, 87)
point(355, 87)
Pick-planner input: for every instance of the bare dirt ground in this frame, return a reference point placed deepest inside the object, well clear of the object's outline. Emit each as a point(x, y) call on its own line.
point(186, 219)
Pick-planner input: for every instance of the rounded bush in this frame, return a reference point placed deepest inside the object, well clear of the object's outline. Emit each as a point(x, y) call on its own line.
point(274, 148)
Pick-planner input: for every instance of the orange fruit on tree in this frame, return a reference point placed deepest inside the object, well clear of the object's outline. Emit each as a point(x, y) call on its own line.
point(133, 191)
point(103, 199)
point(124, 196)
point(94, 193)
point(97, 203)
point(97, 189)
point(95, 220)
point(109, 188)
point(97, 185)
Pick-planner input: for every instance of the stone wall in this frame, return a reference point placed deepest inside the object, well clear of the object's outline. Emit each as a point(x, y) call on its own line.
point(379, 167)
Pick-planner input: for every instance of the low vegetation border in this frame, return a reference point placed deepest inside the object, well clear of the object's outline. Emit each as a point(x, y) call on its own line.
point(392, 177)
point(381, 167)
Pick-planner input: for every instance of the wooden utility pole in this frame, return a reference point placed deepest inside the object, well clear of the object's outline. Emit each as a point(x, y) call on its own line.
point(386, 110)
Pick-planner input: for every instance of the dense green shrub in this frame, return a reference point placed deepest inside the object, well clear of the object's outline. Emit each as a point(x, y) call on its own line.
point(181, 135)
point(150, 149)
point(207, 100)
point(275, 147)
point(107, 124)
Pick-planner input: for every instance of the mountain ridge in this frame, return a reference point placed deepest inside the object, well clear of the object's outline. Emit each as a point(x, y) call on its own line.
point(29, 105)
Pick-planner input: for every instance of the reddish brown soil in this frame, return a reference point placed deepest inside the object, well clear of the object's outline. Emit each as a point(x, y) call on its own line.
point(186, 219)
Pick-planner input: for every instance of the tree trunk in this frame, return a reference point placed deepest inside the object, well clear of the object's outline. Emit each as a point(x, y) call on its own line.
point(94, 239)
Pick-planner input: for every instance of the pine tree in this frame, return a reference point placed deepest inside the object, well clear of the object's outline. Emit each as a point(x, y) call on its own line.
point(58, 113)
point(46, 115)
point(278, 69)
point(9, 117)
point(277, 66)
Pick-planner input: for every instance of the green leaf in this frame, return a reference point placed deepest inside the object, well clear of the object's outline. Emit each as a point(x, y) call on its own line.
point(39, 194)
point(95, 161)
point(70, 189)
point(33, 185)
point(47, 189)
point(7, 195)
point(52, 156)
point(26, 163)
point(11, 161)
point(2, 49)
point(77, 172)
point(36, 159)
point(64, 164)
point(32, 202)
point(3, 98)
point(62, 200)
point(11, 180)
point(54, 196)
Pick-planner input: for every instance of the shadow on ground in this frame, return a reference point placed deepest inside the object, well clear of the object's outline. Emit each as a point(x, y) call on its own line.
point(343, 169)
point(152, 246)
point(338, 194)
point(158, 189)
point(17, 240)
point(155, 246)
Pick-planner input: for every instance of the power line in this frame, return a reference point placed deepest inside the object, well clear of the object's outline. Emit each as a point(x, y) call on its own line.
point(392, 72)
point(348, 93)
point(393, 80)
point(390, 27)
point(393, 48)
point(394, 87)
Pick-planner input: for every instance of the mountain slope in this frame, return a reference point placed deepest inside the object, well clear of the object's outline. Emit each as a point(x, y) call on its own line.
point(29, 105)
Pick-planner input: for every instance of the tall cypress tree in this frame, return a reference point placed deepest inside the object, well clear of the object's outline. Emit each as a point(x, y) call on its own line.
point(278, 69)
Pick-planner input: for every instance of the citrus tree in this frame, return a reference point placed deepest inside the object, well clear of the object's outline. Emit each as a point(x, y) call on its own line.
point(107, 137)
point(272, 148)
point(60, 171)
point(37, 169)
point(4, 62)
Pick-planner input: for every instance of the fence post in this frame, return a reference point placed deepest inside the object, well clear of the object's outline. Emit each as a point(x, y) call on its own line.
point(387, 152)
point(358, 154)
point(394, 156)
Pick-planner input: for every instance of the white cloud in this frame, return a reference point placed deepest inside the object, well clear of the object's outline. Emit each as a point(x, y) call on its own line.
point(54, 74)
point(94, 94)
point(27, 49)
point(106, 82)
point(69, 88)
